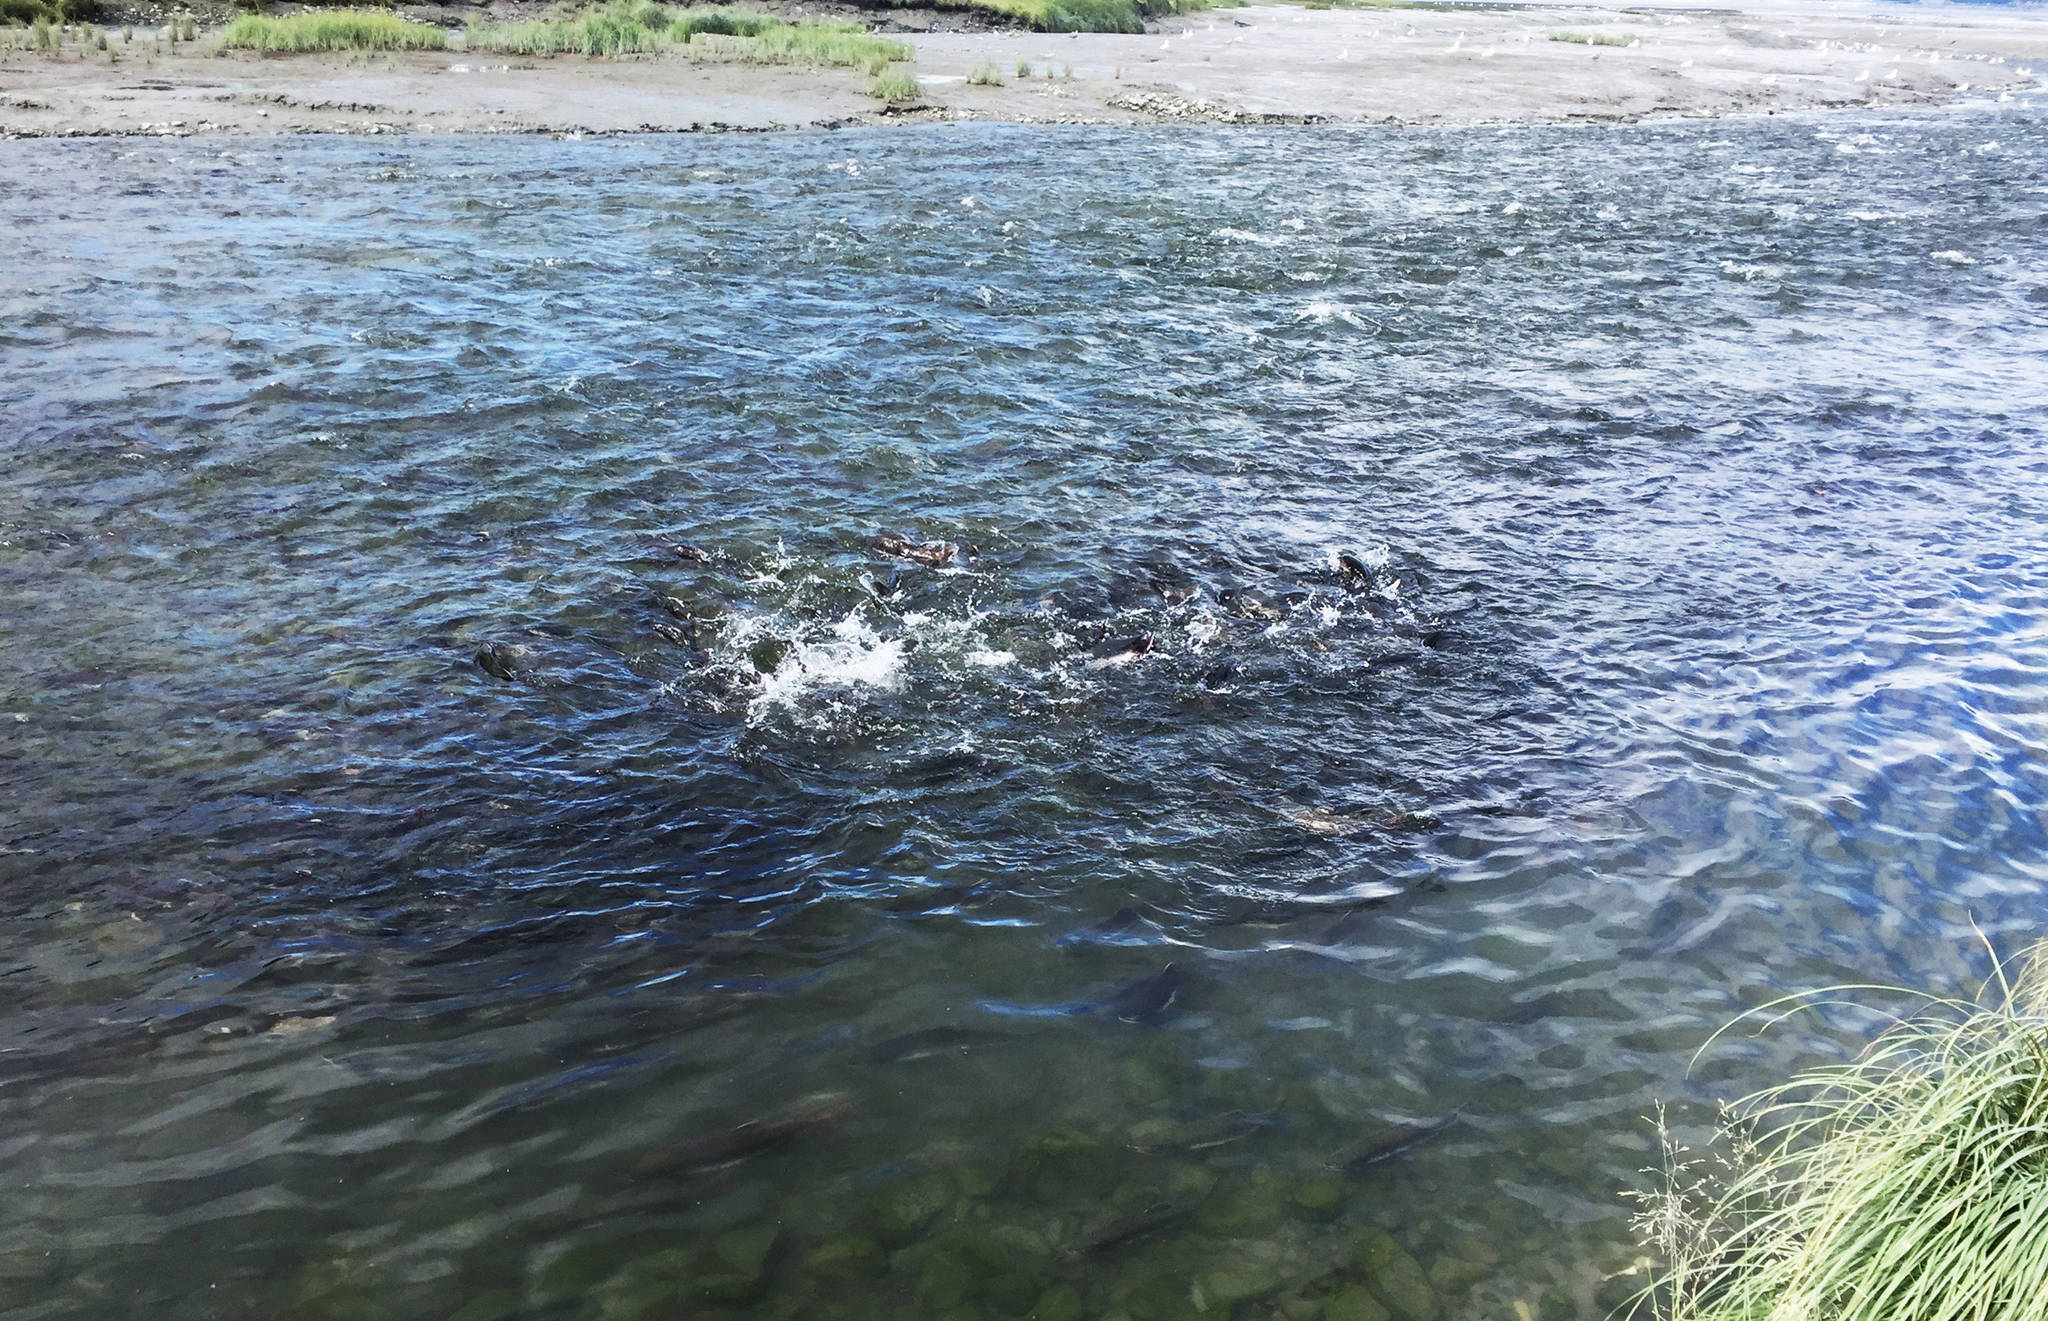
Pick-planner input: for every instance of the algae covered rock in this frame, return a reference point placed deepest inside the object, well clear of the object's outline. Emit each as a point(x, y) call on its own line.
point(1159, 1298)
point(1237, 1279)
point(947, 1281)
point(1243, 1205)
point(1062, 1302)
point(1396, 1278)
point(496, 1305)
point(1320, 1197)
point(903, 1207)
point(733, 1268)
point(1451, 1276)
point(1355, 1304)
point(847, 1256)
point(1067, 1166)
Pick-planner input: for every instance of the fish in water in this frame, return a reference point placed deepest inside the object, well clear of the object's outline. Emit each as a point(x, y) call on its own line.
point(883, 592)
point(931, 1042)
point(1116, 929)
point(1246, 606)
point(711, 1151)
point(679, 637)
point(1160, 1137)
point(1147, 1220)
point(1398, 1143)
point(1352, 567)
point(1147, 999)
point(688, 553)
point(1122, 651)
point(1338, 825)
point(503, 660)
point(931, 554)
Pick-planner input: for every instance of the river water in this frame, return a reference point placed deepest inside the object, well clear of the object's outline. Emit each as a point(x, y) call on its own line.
point(512, 808)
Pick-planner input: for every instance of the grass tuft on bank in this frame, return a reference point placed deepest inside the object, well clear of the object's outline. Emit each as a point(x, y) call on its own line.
point(620, 28)
point(331, 31)
point(712, 33)
point(895, 87)
point(1595, 39)
point(1068, 15)
point(1908, 1185)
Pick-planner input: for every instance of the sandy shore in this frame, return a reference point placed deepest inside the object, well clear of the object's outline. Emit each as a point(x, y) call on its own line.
point(1271, 63)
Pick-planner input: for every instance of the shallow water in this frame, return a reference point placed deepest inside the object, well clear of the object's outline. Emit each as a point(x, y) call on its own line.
point(1595, 582)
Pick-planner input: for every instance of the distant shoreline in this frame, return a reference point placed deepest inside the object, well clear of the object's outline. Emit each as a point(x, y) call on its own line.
point(1270, 64)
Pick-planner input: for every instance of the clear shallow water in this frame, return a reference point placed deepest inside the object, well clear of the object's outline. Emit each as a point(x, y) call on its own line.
point(1688, 653)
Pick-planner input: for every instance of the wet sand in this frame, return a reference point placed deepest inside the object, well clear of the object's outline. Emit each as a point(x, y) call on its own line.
point(1267, 63)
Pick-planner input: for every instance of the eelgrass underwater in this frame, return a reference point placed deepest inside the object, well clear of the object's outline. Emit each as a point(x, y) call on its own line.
point(1910, 1184)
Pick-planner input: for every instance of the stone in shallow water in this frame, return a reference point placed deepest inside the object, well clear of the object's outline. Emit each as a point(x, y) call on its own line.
point(1010, 1292)
point(1320, 1197)
point(1062, 1302)
point(1239, 1278)
point(1451, 1276)
point(495, 1305)
point(1243, 1205)
point(1396, 1278)
point(1355, 1304)
point(903, 1207)
point(947, 1281)
point(1159, 1298)
point(1065, 1166)
point(847, 1256)
point(746, 1251)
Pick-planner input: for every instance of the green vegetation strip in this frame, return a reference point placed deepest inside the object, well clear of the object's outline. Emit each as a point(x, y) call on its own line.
point(1910, 1184)
point(1593, 39)
point(1068, 15)
point(339, 30)
point(721, 33)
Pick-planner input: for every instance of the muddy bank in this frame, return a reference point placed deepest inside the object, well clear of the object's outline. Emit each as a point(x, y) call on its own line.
point(1259, 64)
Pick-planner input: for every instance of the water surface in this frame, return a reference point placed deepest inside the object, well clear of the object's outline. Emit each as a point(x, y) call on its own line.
point(1593, 581)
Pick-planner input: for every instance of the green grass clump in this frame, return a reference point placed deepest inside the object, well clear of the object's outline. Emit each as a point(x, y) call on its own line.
point(338, 30)
point(985, 74)
point(895, 87)
point(719, 32)
point(1067, 15)
point(620, 28)
point(28, 13)
point(807, 45)
point(1592, 39)
point(1908, 1185)
point(720, 21)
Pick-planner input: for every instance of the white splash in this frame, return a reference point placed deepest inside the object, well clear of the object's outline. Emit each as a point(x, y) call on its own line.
point(850, 659)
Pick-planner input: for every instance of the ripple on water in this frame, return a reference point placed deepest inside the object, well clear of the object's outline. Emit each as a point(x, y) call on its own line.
point(1434, 622)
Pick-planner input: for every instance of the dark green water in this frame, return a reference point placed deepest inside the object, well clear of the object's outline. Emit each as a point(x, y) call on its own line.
point(1594, 581)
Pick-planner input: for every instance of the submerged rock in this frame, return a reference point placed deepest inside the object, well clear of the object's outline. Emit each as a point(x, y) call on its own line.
point(504, 660)
point(1320, 1197)
point(903, 1207)
point(1162, 1297)
point(1355, 1304)
point(1396, 1278)
point(1062, 1302)
point(847, 1256)
point(1243, 1205)
point(1239, 1278)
